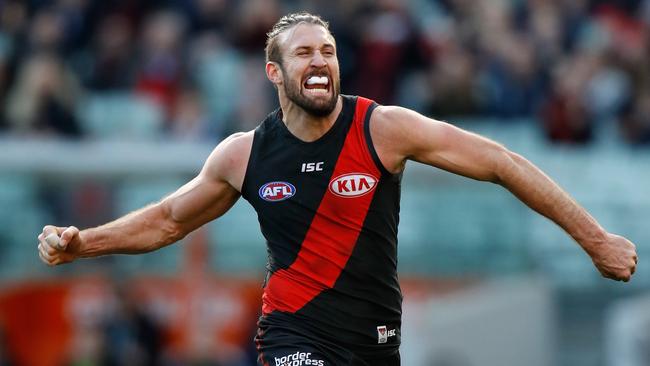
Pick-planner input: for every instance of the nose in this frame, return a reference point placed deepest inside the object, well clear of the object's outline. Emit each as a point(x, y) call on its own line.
point(318, 60)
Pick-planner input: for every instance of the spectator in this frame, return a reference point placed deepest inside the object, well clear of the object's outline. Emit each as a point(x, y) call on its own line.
point(513, 83)
point(5, 359)
point(190, 121)
point(207, 15)
point(216, 68)
point(108, 65)
point(575, 64)
point(255, 18)
point(385, 41)
point(161, 67)
point(44, 98)
point(13, 21)
point(47, 33)
point(89, 347)
point(453, 84)
point(135, 338)
point(635, 120)
point(564, 115)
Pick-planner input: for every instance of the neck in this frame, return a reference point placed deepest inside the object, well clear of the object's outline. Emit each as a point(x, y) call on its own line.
point(305, 126)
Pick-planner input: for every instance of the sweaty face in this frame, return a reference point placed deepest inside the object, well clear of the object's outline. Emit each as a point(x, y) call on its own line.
point(310, 69)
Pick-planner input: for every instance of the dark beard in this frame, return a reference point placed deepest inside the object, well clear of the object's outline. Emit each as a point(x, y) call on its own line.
point(310, 106)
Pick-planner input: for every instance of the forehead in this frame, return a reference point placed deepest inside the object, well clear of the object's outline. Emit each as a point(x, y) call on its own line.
point(306, 35)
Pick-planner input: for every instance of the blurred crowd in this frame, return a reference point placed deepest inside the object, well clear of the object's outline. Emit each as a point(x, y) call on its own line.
point(194, 69)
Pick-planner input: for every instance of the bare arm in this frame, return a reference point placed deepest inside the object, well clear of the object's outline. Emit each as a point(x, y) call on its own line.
point(204, 198)
point(447, 147)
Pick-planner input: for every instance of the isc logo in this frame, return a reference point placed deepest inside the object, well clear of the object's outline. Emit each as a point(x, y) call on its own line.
point(277, 191)
point(312, 167)
point(353, 185)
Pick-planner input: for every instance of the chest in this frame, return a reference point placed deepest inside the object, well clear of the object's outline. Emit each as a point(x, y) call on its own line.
point(292, 181)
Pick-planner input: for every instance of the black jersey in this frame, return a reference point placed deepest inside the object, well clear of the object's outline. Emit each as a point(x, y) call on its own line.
point(329, 212)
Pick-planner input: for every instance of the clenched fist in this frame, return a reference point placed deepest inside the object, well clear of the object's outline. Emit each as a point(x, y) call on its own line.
point(616, 258)
point(58, 245)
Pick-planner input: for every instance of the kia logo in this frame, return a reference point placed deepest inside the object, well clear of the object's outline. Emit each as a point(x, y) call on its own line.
point(353, 185)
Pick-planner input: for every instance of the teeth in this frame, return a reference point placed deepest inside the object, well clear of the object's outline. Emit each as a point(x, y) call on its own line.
point(318, 80)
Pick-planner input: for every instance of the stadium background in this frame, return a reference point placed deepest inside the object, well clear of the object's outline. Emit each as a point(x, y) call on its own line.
point(106, 106)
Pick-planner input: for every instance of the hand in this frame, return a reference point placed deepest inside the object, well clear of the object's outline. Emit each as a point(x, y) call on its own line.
point(616, 258)
point(58, 245)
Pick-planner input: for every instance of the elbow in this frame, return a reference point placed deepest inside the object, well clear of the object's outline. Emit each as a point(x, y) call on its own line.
point(506, 165)
point(171, 229)
point(173, 233)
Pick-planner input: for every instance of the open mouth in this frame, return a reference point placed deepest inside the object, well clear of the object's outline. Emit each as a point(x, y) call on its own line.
point(317, 84)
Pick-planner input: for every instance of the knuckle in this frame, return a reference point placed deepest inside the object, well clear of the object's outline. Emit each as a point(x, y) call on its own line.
point(44, 259)
point(604, 273)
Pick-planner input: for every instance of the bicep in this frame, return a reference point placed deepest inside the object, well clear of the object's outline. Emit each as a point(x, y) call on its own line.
point(200, 201)
point(210, 194)
point(447, 147)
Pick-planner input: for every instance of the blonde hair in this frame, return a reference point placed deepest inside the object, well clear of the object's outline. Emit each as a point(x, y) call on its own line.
point(288, 21)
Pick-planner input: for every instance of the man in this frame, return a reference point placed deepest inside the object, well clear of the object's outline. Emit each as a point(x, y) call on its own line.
point(323, 173)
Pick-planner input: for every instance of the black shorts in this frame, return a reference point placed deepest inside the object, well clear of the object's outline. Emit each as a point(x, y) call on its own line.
point(287, 347)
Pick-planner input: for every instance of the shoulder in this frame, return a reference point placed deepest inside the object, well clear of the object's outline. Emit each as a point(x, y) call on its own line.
point(395, 117)
point(233, 147)
point(388, 124)
point(393, 123)
point(237, 142)
point(399, 132)
point(228, 161)
point(406, 123)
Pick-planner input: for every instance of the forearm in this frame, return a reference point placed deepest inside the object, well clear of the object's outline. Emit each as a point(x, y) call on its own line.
point(141, 231)
point(540, 193)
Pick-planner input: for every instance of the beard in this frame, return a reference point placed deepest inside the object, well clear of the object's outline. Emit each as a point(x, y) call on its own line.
point(315, 107)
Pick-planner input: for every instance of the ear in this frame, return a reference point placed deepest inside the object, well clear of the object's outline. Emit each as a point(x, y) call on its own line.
point(274, 73)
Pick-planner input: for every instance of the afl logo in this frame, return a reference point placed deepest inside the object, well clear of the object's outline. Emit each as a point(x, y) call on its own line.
point(277, 191)
point(353, 185)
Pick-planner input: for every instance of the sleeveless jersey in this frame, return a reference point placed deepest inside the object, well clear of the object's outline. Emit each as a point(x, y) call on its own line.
point(329, 211)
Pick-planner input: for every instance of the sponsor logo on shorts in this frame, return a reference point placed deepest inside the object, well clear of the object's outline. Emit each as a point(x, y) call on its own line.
point(353, 185)
point(298, 359)
point(277, 191)
point(383, 333)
